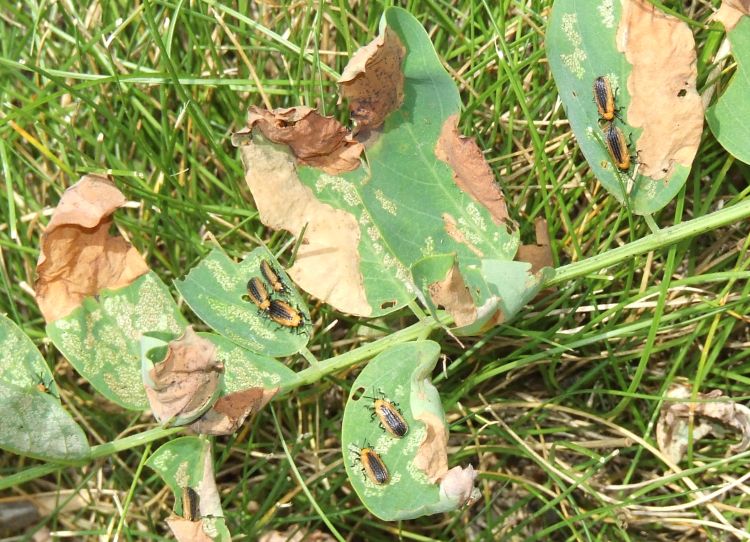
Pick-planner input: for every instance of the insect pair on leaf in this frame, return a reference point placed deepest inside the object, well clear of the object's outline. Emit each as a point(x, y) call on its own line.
point(278, 310)
point(614, 139)
point(392, 421)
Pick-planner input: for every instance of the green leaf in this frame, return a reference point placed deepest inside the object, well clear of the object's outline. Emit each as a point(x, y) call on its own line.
point(581, 46)
point(216, 288)
point(401, 375)
point(101, 338)
point(181, 463)
point(245, 369)
point(520, 285)
point(188, 462)
point(23, 365)
point(728, 117)
point(404, 199)
point(33, 422)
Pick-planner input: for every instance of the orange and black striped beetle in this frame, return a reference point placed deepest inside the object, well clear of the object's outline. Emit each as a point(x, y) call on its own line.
point(372, 465)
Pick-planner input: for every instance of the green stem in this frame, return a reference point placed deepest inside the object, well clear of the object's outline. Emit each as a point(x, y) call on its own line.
point(309, 356)
point(97, 452)
point(659, 239)
point(652, 225)
point(332, 365)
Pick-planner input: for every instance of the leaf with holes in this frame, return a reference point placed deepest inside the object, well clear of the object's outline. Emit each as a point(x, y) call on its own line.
point(418, 481)
point(649, 61)
point(217, 291)
point(33, 423)
point(402, 188)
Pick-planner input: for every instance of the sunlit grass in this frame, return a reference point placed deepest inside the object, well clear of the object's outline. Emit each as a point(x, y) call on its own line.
point(556, 409)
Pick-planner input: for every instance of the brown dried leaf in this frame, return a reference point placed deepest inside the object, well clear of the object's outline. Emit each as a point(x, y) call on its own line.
point(230, 411)
point(661, 50)
point(540, 254)
point(458, 483)
point(328, 262)
point(373, 81)
point(432, 455)
point(78, 257)
point(186, 380)
point(471, 172)
point(314, 140)
point(185, 530)
point(731, 11)
point(672, 430)
point(452, 293)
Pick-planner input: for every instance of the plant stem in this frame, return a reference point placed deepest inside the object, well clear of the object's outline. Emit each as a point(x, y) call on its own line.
point(659, 239)
point(332, 365)
point(651, 223)
point(309, 356)
point(97, 452)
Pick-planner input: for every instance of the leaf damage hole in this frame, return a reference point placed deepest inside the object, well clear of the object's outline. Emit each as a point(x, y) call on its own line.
point(681, 93)
point(510, 226)
point(358, 393)
point(388, 304)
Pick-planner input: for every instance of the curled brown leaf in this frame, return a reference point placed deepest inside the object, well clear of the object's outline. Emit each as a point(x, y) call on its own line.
point(78, 257)
point(315, 140)
point(373, 81)
point(186, 380)
point(230, 411)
